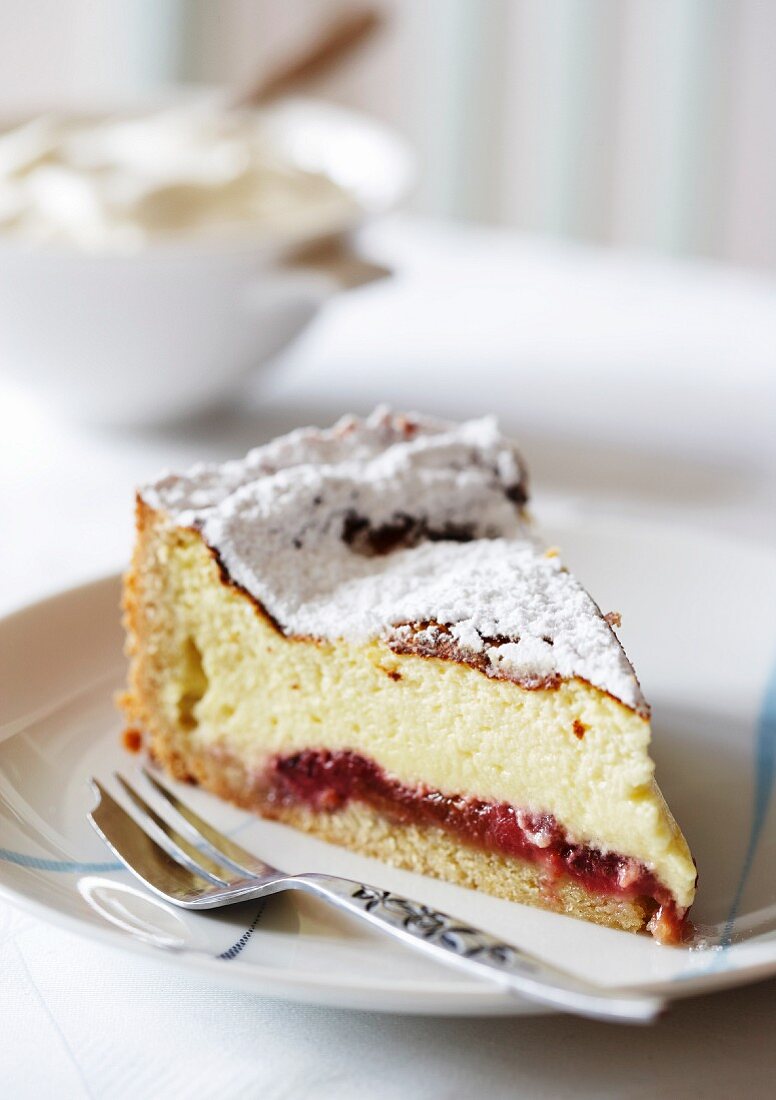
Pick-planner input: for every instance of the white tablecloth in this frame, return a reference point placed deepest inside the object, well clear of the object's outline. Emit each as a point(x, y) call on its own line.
point(635, 386)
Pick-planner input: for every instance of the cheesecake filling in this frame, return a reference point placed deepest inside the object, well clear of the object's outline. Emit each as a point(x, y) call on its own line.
point(326, 781)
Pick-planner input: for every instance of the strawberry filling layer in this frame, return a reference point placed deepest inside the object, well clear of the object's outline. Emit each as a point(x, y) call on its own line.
point(327, 781)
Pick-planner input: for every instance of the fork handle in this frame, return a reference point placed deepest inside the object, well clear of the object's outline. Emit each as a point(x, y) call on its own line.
point(455, 943)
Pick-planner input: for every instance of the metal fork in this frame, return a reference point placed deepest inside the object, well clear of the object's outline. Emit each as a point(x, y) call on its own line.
point(191, 864)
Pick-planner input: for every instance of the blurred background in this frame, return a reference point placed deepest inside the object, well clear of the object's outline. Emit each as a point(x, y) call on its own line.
point(636, 123)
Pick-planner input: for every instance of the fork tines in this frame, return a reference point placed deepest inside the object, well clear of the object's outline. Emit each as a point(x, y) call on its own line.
point(186, 860)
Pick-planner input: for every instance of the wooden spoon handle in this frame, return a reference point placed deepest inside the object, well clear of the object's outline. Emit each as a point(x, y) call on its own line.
point(337, 40)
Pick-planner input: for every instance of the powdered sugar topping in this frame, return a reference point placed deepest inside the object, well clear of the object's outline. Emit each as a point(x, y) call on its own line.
point(395, 525)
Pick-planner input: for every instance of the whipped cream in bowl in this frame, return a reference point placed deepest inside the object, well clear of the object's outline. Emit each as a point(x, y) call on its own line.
point(192, 172)
point(149, 260)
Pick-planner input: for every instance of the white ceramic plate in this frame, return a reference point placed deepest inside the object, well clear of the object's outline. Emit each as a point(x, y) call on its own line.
point(700, 624)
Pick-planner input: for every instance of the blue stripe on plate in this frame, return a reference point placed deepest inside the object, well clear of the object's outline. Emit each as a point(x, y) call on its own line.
point(233, 951)
point(764, 776)
point(36, 863)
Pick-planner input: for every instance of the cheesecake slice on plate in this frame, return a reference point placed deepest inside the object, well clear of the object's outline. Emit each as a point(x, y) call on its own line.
point(358, 632)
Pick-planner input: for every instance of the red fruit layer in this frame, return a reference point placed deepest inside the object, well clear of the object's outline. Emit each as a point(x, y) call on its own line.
point(327, 781)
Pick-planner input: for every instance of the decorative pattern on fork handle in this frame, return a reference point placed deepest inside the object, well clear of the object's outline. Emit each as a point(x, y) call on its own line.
point(437, 929)
point(476, 951)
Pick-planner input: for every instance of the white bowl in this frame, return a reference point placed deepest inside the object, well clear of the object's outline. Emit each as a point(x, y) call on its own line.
point(172, 329)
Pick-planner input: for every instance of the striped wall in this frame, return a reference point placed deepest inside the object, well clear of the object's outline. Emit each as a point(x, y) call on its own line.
point(644, 123)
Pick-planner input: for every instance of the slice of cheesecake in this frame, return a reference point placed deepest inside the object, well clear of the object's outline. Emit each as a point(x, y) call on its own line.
point(357, 632)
